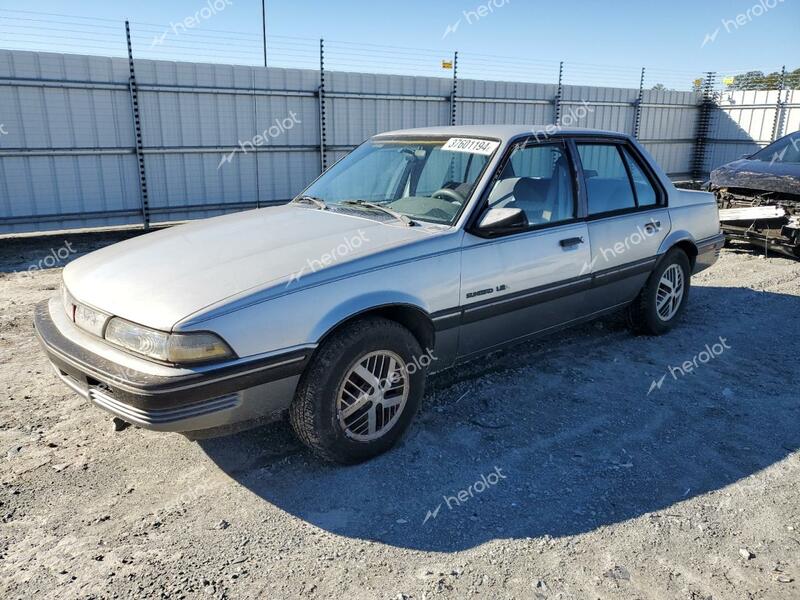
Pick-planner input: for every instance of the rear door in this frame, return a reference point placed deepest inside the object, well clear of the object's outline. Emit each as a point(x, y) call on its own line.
point(526, 282)
point(627, 220)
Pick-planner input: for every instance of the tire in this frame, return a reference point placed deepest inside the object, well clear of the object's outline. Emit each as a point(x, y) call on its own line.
point(315, 412)
point(643, 315)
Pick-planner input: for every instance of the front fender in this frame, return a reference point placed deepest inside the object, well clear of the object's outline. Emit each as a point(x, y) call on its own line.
point(355, 306)
point(303, 317)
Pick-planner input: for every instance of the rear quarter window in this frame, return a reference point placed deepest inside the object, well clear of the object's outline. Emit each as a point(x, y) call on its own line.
point(645, 192)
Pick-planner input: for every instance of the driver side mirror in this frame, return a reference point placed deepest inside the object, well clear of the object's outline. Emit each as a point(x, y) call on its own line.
point(497, 221)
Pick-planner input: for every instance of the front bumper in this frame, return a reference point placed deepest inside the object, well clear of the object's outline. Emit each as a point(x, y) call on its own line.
point(188, 400)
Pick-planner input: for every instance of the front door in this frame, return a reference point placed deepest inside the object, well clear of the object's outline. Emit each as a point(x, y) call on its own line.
point(527, 282)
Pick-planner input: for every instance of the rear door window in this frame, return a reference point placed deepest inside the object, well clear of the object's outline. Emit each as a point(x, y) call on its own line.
point(607, 184)
point(615, 180)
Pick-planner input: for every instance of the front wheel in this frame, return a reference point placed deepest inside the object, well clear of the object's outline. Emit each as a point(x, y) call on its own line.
point(663, 297)
point(360, 392)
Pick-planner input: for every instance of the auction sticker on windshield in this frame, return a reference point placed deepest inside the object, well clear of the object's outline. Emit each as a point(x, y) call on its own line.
point(471, 145)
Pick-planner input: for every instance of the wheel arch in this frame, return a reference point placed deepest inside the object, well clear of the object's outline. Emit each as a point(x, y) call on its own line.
point(408, 314)
point(682, 240)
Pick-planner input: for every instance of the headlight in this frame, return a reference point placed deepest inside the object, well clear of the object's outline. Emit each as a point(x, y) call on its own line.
point(179, 348)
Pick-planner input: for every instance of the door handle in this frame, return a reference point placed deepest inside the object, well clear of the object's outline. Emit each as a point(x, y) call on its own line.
point(569, 242)
point(652, 226)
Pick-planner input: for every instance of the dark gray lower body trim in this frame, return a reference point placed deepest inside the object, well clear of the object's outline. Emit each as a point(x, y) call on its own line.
point(624, 272)
point(708, 250)
point(709, 244)
point(487, 309)
point(544, 332)
point(524, 299)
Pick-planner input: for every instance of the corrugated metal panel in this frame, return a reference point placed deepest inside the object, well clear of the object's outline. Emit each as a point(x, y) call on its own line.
point(38, 191)
point(68, 159)
point(498, 102)
point(674, 157)
point(668, 115)
point(208, 111)
point(668, 126)
point(603, 108)
point(359, 105)
point(745, 115)
point(791, 114)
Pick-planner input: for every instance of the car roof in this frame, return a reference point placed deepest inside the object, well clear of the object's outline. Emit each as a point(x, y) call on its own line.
point(502, 132)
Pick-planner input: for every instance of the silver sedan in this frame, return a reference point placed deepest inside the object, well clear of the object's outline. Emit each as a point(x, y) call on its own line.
point(419, 249)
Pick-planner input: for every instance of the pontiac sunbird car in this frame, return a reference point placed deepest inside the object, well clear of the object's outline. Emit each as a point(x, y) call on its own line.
point(419, 249)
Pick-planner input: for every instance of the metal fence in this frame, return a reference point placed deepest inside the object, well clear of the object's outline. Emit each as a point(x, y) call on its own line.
point(90, 141)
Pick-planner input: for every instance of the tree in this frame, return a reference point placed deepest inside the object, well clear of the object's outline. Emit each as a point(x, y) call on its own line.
point(756, 80)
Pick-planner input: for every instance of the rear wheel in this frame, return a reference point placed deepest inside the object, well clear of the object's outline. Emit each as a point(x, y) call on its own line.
point(360, 392)
point(663, 297)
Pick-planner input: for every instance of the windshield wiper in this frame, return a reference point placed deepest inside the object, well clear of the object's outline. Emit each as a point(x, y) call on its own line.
point(318, 202)
point(399, 216)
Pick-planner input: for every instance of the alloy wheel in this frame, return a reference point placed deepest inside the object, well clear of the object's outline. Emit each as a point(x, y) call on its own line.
point(372, 395)
point(670, 292)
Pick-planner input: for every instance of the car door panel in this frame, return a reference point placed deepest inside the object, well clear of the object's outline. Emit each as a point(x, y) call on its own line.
point(518, 285)
point(627, 223)
point(623, 251)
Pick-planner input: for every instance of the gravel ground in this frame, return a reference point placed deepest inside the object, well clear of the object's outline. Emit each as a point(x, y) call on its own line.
point(552, 470)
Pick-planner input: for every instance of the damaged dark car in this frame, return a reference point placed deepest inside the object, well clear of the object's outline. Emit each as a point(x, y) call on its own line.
point(759, 196)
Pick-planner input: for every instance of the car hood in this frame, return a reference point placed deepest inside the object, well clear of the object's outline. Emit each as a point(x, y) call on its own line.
point(761, 175)
point(162, 277)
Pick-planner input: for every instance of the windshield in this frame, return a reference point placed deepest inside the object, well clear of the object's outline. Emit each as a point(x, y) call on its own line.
point(424, 179)
point(785, 150)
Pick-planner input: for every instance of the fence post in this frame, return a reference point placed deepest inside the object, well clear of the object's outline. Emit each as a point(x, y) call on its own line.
point(777, 125)
point(321, 95)
point(559, 91)
point(454, 92)
point(706, 109)
point(637, 119)
point(137, 131)
point(255, 129)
